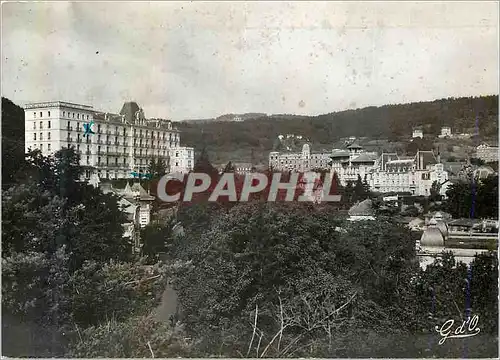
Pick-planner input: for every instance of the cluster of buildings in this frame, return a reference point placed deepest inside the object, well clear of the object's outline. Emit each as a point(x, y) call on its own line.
point(487, 153)
point(418, 132)
point(463, 237)
point(117, 145)
point(303, 161)
point(386, 172)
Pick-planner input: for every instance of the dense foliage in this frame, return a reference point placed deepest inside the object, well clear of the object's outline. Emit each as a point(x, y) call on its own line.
point(293, 280)
point(12, 140)
point(65, 263)
point(253, 279)
point(474, 198)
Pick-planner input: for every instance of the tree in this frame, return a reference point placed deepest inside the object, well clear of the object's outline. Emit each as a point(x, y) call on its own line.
point(229, 168)
point(12, 141)
point(46, 304)
point(476, 161)
point(54, 209)
point(155, 239)
point(361, 190)
point(366, 186)
point(35, 303)
point(474, 198)
point(137, 337)
point(258, 254)
point(157, 168)
point(435, 192)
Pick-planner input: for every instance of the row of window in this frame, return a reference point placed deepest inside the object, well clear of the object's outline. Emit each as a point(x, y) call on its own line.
point(70, 115)
point(41, 114)
point(41, 125)
point(152, 135)
point(41, 147)
point(163, 135)
point(41, 136)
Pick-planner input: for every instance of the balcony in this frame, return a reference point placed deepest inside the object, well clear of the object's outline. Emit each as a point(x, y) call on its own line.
point(78, 140)
point(88, 152)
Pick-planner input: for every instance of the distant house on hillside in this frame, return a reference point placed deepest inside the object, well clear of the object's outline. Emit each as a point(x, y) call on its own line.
point(418, 132)
point(487, 153)
point(445, 132)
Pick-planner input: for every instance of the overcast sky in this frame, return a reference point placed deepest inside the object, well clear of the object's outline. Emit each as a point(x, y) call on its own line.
point(184, 60)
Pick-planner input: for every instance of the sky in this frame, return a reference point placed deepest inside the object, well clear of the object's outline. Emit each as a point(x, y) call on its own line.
point(190, 60)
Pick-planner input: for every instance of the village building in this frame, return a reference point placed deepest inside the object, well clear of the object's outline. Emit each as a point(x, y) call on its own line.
point(414, 175)
point(487, 153)
point(137, 205)
point(445, 132)
point(351, 162)
point(462, 237)
point(418, 132)
point(303, 161)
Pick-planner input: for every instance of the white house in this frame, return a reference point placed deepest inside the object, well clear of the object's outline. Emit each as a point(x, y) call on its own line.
point(445, 132)
point(418, 133)
point(181, 159)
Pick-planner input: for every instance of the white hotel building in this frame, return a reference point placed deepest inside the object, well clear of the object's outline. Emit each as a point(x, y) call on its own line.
point(299, 162)
point(414, 174)
point(121, 144)
point(388, 173)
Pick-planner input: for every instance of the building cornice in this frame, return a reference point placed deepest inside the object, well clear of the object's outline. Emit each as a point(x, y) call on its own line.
point(53, 104)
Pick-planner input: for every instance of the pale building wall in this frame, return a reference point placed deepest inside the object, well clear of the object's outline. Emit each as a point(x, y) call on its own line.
point(418, 134)
point(303, 161)
point(114, 150)
point(181, 159)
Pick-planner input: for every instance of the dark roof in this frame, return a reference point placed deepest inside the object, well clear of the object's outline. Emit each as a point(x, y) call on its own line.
point(425, 158)
point(365, 158)
point(463, 222)
point(385, 157)
point(98, 115)
point(453, 167)
point(354, 145)
point(129, 109)
point(340, 153)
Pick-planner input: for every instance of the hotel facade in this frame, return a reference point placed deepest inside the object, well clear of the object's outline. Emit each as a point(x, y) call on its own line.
point(119, 145)
point(299, 162)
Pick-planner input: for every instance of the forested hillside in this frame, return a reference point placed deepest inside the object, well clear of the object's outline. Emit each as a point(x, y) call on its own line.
point(12, 139)
point(234, 140)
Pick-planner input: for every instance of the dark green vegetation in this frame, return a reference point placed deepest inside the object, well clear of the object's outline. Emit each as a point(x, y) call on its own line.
point(65, 265)
point(252, 279)
point(474, 199)
point(235, 140)
point(12, 140)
